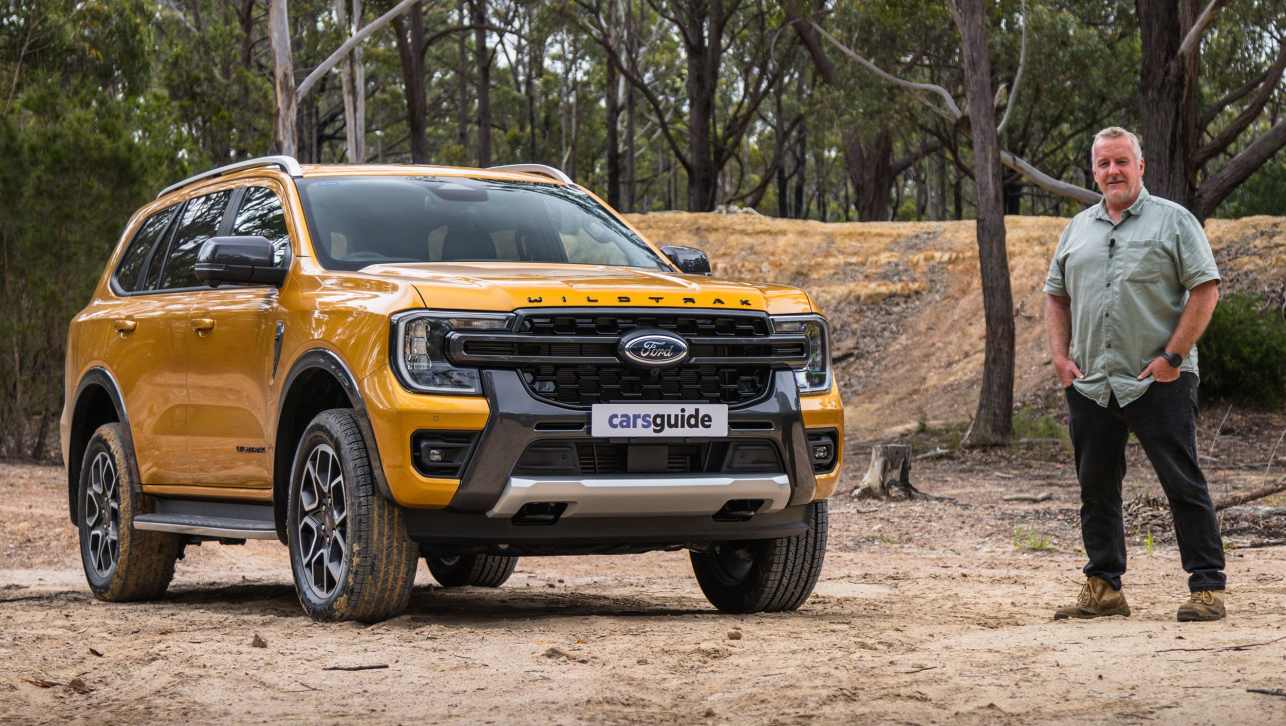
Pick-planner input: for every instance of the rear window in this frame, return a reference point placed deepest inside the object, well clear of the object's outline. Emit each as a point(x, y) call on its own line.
point(361, 221)
point(130, 270)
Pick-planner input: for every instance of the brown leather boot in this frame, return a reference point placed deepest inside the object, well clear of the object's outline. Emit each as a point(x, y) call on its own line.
point(1202, 605)
point(1097, 599)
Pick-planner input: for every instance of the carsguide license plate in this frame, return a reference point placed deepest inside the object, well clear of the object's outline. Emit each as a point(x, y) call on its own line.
point(659, 419)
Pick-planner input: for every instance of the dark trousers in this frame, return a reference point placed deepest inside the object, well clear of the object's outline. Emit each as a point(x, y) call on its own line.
point(1165, 422)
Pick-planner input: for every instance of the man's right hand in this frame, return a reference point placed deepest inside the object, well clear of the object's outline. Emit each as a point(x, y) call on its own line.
point(1067, 371)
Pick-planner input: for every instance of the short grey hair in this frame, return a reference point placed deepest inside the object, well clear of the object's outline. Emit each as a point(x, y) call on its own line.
point(1116, 132)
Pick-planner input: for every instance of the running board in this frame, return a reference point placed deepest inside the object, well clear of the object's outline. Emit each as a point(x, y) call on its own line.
point(224, 520)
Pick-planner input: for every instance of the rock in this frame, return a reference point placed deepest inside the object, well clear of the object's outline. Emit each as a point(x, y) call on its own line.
point(79, 686)
point(734, 635)
point(258, 642)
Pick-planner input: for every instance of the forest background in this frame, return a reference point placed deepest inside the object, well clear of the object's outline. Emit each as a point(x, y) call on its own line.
point(809, 109)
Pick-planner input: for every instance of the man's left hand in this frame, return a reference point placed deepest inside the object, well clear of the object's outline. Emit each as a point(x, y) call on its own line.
point(1161, 370)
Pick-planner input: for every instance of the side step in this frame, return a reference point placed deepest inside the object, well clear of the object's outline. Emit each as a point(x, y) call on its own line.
point(225, 520)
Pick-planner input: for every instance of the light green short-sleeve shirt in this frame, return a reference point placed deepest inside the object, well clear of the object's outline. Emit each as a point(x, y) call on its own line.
point(1128, 283)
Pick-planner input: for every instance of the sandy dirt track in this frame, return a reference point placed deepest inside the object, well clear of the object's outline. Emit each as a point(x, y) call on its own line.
point(927, 612)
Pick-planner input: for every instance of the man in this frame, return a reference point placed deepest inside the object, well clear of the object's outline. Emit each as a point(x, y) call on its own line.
point(1132, 285)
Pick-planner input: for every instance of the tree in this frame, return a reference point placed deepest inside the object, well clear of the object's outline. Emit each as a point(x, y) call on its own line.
point(1175, 127)
point(993, 422)
point(288, 94)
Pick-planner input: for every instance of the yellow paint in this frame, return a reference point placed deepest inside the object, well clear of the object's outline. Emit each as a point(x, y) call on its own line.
point(203, 403)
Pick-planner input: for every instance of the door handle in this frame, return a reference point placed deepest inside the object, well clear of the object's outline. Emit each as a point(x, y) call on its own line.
point(124, 326)
point(201, 326)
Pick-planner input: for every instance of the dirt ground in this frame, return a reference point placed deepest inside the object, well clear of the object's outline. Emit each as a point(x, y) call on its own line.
point(927, 612)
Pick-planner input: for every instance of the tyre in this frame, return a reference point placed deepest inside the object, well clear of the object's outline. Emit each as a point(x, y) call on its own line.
point(121, 563)
point(772, 575)
point(349, 551)
point(476, 570)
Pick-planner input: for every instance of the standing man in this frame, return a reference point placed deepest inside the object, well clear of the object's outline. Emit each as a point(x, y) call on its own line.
point(1131, 288)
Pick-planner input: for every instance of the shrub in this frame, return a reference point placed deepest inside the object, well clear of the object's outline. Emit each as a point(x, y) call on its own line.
point(1243, 353)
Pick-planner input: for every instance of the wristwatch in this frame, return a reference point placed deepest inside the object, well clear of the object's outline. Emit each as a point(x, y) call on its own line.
point(1174, 359)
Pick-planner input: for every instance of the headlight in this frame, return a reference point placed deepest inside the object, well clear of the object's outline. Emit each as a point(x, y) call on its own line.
point(815, 376)
point(418, 348)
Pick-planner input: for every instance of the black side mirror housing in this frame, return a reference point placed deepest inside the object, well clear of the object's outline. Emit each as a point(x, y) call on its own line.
point(243, 260)
point(688, 259)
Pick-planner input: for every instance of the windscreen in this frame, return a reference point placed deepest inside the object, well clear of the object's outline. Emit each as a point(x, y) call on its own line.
point(361, 221)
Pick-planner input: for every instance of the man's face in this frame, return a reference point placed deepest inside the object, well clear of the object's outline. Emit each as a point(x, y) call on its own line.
point(1117, 171)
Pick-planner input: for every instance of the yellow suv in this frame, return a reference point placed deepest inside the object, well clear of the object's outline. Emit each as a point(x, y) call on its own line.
point(374, 364)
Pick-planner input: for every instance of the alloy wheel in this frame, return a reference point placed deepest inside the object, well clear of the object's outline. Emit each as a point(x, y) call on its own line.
point(323, 522)
point(103, 515)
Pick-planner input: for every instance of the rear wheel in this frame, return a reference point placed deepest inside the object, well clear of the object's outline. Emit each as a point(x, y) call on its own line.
point(764, 575)
point(121, 563)
point(349, 551)
point(476, 570)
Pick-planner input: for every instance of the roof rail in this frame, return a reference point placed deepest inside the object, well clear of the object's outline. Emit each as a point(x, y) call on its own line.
point(285, 163)
point(541, 169)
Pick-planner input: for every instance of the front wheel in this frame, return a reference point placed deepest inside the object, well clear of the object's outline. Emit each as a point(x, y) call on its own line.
point(121, 563)
point(475, 570)
point(772, 575)
point(349, 551)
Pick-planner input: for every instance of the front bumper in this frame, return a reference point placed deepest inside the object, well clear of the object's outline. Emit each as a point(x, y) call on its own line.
point(509, 419)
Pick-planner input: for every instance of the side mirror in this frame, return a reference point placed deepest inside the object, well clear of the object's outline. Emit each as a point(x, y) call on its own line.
point(688, 259)
point(238, 260)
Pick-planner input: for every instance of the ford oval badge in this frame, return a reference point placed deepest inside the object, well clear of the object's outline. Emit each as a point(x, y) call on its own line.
point(653, 348)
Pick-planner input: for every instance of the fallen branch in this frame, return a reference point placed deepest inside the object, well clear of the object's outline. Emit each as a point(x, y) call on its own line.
point(1268, 491)
point(374, 667)
point(1243, 646)
point(1268, 691)
point(1258, 544)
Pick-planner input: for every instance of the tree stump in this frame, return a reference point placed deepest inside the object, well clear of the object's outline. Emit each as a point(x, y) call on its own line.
point(889, 474)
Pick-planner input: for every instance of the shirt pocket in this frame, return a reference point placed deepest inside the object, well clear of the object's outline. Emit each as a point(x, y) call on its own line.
point(1147, 261)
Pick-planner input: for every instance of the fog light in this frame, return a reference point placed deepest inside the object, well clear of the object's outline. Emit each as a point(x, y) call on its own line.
point(823, 444)
point(436, 456)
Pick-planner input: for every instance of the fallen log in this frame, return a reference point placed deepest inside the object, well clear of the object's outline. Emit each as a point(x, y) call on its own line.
point(1268, 491)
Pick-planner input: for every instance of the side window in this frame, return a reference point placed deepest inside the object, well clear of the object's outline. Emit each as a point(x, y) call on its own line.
point(200, 221)
point(261, 214)
point(130, 270)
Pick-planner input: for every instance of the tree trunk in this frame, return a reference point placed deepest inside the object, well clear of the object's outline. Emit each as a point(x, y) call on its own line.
point(702, 76)
point(410, 52)
point(889, 474)
point(462, 82)
point(353, 81)
point(483, 61)
point(631, 49)
point(613, 138)
point(283, 75)
point(993, 422)
point(535, 66)
point(938, 187)
point(1168, 98)
point(870, 167)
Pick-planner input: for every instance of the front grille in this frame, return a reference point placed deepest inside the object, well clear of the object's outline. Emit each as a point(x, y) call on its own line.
point(610, 322)
point(585, 385)
point(570, 356)
point(582, 457)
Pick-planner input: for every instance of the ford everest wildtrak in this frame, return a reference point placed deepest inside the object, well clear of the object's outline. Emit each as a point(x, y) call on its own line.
point(374, 364)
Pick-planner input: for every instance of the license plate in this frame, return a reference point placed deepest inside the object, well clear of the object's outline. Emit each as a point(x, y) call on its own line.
point(659, 420)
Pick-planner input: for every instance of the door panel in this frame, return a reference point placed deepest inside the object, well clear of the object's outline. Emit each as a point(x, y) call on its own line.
point(229, 339)
point(140, 336)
